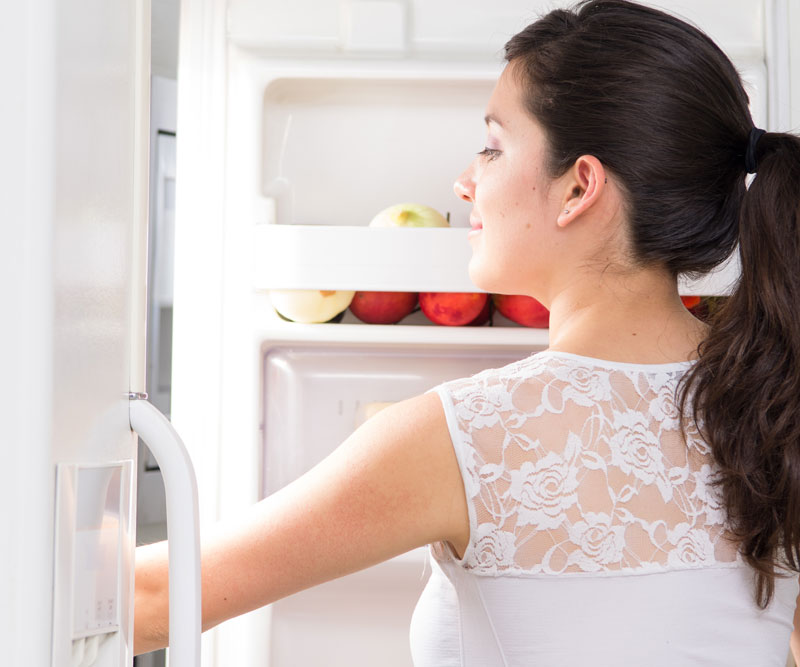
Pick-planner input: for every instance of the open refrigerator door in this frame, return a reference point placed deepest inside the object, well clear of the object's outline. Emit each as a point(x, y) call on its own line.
point(73, 265)
point(296, 125)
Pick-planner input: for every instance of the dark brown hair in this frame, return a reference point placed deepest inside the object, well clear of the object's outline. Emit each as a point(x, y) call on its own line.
point(664, 109)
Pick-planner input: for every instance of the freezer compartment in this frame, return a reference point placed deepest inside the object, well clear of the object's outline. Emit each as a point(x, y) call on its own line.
point(314, 397)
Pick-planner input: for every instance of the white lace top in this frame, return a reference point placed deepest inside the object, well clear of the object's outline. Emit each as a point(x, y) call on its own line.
point(577, 478)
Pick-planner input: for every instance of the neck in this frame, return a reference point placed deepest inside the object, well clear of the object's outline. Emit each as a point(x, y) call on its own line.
point(635, 317)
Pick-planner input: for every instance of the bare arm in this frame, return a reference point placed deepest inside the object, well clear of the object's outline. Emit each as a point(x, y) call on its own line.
point(390, 487)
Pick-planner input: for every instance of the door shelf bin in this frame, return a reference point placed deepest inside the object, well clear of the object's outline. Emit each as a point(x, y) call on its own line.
point(436, 259)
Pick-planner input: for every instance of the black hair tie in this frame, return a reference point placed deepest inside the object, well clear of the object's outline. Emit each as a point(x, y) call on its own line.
point(750, 155)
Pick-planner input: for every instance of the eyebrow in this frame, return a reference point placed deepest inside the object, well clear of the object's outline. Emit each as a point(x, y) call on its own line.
point(492, 119)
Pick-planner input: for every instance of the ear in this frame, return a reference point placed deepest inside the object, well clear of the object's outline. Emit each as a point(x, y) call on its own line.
point(581, 187)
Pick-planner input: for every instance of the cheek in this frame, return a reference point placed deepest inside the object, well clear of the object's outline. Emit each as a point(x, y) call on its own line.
point(516, 249)
point(508, 199)
point(525, 210)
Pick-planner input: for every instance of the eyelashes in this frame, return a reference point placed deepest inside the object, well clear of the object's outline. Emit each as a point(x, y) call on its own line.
point(490, 153)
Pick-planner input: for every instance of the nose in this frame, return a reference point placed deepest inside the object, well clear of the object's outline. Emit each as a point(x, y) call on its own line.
point(464, 187)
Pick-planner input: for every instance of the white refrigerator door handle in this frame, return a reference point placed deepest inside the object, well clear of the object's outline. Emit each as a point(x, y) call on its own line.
point(183, 531)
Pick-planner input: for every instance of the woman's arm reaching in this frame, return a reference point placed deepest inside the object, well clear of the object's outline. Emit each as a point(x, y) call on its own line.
point(393, 485)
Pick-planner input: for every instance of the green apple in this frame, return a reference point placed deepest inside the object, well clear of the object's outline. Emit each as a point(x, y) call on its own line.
point(409, 215)
point(310, 306)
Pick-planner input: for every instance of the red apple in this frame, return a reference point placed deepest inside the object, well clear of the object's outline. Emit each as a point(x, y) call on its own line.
point(484, 316)
point(690, 301)
point(382, 307)
point(698, 306)
point(524, 310)
point(452, 308)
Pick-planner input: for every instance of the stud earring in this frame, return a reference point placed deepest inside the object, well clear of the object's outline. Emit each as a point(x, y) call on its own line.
point(566, 210)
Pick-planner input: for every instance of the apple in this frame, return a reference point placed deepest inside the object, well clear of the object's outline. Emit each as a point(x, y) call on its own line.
point(382, 307)
point(452, 308)
point(484, 316)
point(690, 301)
point(524, 310)
point(706, 307)
point(310, 306)
point(698, 306)
point(409, 215)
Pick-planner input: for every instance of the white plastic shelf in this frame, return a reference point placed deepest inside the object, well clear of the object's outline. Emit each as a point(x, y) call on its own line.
point(362, 258)
point(435, 259)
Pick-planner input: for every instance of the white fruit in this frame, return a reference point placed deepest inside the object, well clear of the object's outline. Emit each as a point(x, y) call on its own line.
point(310, 306)
point(409, 215)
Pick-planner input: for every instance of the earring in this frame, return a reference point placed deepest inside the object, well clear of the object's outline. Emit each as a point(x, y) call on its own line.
point(566, 210)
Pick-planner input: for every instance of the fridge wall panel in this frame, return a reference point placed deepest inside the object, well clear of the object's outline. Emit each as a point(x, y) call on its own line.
point(452, 26)
point(200, 209)
point(304, 24)
point(459, 24)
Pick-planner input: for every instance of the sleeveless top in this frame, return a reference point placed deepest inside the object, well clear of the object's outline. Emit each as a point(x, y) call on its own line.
point(596, 537)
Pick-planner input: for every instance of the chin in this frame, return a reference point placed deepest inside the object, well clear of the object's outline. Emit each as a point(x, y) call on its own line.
point(491, 277)
point(487, 278)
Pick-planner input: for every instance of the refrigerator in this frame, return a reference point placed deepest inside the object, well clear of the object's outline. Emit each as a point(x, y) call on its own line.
point(74, 198)
point(297, 123)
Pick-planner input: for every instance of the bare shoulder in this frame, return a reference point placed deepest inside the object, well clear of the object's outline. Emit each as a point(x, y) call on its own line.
point(421, 418)
point(406, 449)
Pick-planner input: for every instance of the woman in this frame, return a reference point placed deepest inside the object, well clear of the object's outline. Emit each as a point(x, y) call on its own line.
point(632, 494)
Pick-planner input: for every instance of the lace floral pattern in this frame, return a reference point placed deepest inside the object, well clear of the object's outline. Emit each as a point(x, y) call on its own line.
point(577, 465)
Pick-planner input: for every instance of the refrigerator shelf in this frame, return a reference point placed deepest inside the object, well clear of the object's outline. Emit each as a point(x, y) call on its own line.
point(362, 258)
point(339, 257)
point(269, 331)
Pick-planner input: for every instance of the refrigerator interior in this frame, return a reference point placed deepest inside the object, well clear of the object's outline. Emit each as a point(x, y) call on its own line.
point(307, 124)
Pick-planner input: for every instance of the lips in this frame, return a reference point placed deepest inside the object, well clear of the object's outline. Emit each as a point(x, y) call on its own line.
point(475, 224)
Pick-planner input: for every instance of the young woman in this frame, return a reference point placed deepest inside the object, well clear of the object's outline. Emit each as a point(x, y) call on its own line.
point(630, 495)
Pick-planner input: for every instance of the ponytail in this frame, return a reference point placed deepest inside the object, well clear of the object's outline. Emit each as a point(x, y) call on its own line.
point(745, 386)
